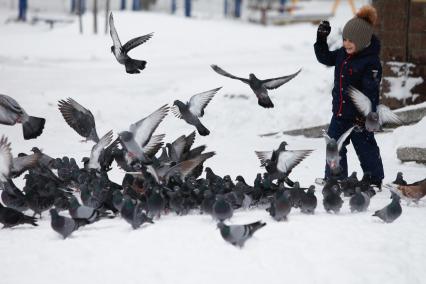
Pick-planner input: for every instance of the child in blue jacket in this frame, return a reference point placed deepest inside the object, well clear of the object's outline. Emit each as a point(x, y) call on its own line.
point(356, 64)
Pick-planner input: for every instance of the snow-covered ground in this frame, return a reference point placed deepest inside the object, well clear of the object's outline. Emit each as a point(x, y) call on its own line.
point(39, 66)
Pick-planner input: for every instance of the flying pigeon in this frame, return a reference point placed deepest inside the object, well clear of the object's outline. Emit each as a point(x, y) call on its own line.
point(120, 51)
point(192, 110)
point(239, 234)
point(5, 159)
point(11, 113)
point(97, 150)
point(333, 149)
point(373, 120)
point(259, 87)
point(79, 118)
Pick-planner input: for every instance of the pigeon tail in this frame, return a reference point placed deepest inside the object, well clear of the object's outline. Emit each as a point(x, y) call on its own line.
point(253, 227)
point(133, 66)
point(202, 130)
point(30, 220)
point(265, 102)
point(33, 127)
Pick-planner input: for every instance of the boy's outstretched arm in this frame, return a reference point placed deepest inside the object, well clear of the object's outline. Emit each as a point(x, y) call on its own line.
point(371, 83)
point(323, 54)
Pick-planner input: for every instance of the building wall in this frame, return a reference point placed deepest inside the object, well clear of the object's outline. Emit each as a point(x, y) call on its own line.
point(402, 29)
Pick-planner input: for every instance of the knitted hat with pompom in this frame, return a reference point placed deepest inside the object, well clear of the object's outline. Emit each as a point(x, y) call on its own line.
point(359, 29)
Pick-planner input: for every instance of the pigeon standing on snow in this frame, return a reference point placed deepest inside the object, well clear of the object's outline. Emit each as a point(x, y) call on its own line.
point(360, 201)
point(392, 211)
point(10, 217)
point(238, 234)
point(192, 110)
point(63, 225)
point(259, 87)
point(222, 209)
point(332, 200)
point(309, 201)
point(120, 51)
point(280, 206)
point(11, 113)
point(333, 148)
point(79, 118)
point(399, 179)
point(374, 119)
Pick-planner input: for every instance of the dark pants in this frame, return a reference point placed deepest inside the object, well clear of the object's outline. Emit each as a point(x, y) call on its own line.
point(365, 147)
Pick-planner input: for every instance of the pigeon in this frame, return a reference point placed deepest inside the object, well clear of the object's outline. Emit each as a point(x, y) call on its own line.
point(208, 202)
point(280, 162)
point(63, 225)
point(308, 203)
point(333, 149)
point(97, 151)
point(120, 51)
point(410, 192)
point(399, 179)
point(13, 197)
point(259, 87)
point(194, 109)
point(11, 113)
point(332, 200)
point(87, 213)
point(44, 160)
point(134, 214)
point(23, 163)
point(79, 118)
point(138, 141)
point(5, 159)
point(360, 201)
point(155, 204)
point(222, 209)
point(280, 206)
point(10, 217)
point(391, 212)
point(373, 120)
point(237, 235)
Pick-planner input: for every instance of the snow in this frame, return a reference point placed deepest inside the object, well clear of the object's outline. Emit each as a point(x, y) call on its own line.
point(39, 66)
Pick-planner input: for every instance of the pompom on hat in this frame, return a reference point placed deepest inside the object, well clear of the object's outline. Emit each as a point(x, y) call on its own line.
point(359, 29)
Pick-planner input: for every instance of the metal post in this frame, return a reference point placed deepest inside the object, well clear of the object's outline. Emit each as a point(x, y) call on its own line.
point(173, 6)
point(188, 8)
point(123, 5)
point(237, 12)
point(225, 7)
point(22, 16)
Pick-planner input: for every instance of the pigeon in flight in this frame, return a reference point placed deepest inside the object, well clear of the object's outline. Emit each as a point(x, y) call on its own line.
point(120, 51)
point(94, 161)
point(259, 87)
point(79, 118)
point(333, 148)
point(373, 119)
point(280, 162)
point(138, 141)
point(11, 113)
point(239, 234)
point(5, 159)
point(192, 110)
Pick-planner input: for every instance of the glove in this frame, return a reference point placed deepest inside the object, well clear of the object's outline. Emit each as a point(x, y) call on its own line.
point(323, 31)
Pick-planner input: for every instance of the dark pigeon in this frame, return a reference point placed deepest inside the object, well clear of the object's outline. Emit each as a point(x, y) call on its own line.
point(134, 214)
point(97, 151)
point(79, 118)
point(309, 201)
point(13, 197)
point(237, 235)
point(259, 87)
point(63, 225)
point(399, 179)
point(392, 211)
point(10, 217)
point(11, 113)
point(360, 201)
point(222, 209)
point(191, 111)
point(332, 200)
point(133, 66)
point(280, 206)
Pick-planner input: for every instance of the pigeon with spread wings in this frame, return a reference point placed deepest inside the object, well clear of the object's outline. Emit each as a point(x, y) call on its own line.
point(259, 87)
point(192, 110)
point(133, 66)
point(333, 148)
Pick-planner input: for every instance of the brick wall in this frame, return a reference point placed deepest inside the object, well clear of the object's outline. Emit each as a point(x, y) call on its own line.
point(401, 28)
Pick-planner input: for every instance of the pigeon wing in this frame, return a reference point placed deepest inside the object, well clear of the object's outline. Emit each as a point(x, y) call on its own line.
point(99, 147)
point(185, 167)
point(263, 156)
point(143, 129)
point(278, 82)
point(343, 138)
point(5, 158)
point(21, 164)
point(154, 144)
point(189, 141)
point(78, 117)
point(222, 72)
point(136, 42)
point(287, 160)
point(198, 102)
point(177, 148)
point(10, 104)
point(388, 116)
point(361, 101)
point(176, 112)
point(115, 40)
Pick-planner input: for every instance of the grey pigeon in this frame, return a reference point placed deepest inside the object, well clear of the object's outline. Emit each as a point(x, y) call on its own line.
point(392, 211)
point(194, 109)
point(13, 197)
point(259, 87)
point(237, 235)
point(309, 201)
point(5, 159)
point(333, 149)
point(280, 206)
point(23, 163)
point(332, 200)
point(11, 113)
point(134, 214)
point(10, 217)
point(155, 204)
point(373, 119)
point(79, 118)
point(138, 141)
point(63, 225)
point(360, 201)
point(120, 51)
point(97, 150)
point(44, 160)
point(280, 162)
point(78, 211)
point(222, 209)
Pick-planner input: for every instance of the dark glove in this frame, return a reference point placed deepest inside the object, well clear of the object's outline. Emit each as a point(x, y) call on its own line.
point(323, 31)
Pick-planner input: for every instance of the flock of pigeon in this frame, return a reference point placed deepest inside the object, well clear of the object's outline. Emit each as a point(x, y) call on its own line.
point(170, 181)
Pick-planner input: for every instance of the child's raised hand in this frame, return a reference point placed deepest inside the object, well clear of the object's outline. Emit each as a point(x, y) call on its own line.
point(323, 31)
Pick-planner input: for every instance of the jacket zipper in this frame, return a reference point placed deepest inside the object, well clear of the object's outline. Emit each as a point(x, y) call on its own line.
point(339, 112)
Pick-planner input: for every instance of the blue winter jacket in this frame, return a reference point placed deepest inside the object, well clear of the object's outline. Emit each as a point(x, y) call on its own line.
point(361, 70)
